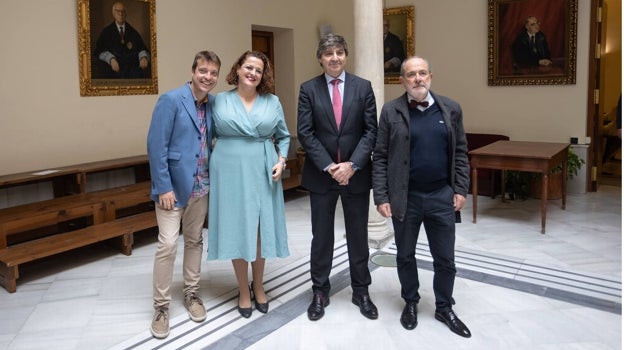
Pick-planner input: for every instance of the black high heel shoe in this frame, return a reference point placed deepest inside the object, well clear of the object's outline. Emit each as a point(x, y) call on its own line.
point(244, 311)
point(262, 307)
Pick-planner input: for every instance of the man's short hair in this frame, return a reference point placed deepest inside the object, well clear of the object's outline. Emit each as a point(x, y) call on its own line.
point(207, 56)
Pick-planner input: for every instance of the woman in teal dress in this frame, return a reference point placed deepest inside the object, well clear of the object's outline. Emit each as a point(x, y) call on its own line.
point(246, 214)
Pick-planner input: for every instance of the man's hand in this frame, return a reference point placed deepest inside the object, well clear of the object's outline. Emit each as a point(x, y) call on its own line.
point(143, 62)
point(384, 210)
point(458, 201)
point(167, 200)
point(341, 172)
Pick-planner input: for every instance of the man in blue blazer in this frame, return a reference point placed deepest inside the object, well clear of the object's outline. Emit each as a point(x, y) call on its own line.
point(178, 147)
point(337, 125)
point(420, 176)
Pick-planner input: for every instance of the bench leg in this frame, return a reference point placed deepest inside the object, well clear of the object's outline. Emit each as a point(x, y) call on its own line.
point(127, 240)
point(8, 277)
point(123, 243)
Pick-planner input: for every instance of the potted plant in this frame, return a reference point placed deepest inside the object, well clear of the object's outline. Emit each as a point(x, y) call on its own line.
point(517, 184)
point(521, 184)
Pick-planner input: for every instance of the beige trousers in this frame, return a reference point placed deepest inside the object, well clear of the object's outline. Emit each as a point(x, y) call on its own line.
point(192, 218)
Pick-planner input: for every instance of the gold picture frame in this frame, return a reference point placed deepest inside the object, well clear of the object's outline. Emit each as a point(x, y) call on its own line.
point(400, 23)
point(97, 74)
point(552, 61)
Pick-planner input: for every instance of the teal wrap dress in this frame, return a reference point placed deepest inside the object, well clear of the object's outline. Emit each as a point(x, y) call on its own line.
point(244, 200)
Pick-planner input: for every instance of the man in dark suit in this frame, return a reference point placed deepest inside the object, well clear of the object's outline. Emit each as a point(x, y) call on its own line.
point(337, 125)
point(420, 176)
point(530, 47)
point(120, 50)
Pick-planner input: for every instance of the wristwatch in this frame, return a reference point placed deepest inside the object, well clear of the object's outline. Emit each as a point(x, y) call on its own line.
point(354, 166)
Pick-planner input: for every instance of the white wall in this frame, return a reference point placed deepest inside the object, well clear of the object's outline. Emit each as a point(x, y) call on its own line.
point(46, 123)
point(452, 34)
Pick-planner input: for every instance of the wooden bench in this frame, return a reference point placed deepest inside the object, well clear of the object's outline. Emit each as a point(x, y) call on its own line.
point(72, 179)
point(97, 207)
point(75, 218)
point(32, 231)
point(11, 257)
point(138, 164)
point(293, 178)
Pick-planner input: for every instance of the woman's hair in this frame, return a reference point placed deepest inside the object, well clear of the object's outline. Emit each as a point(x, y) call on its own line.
point(267, 83)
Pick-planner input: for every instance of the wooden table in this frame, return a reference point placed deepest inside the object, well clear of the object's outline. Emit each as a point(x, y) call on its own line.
point(538, 157)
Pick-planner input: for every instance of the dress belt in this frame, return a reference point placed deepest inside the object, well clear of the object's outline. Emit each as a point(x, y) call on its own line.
point(269, 148)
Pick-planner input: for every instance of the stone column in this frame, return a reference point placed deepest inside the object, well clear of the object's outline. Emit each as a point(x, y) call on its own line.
point(367, 51)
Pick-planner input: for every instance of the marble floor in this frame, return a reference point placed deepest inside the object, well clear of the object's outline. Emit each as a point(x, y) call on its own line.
point(515, 288)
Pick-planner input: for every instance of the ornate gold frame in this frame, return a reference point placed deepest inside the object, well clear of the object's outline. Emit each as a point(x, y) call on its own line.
point(564, 72)
point(403, 18)
point(112, 87)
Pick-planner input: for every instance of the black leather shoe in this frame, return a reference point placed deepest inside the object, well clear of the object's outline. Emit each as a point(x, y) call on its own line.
point(316, 310)
point(367, 308)
point(244, 311)
point(409, 316)
point(453, 322)
point(262, 307)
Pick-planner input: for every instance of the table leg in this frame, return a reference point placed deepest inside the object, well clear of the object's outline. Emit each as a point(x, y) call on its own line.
point(544, 199)
point(564, 182)
point(474, 195)
point(503, 175)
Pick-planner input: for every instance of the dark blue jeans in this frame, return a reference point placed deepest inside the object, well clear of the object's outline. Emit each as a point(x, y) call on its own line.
point(434, 210)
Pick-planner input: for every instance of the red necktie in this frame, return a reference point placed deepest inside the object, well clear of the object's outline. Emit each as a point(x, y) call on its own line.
point(337, 104)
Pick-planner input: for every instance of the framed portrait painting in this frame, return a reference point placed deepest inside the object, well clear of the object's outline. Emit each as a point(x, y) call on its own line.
point(117, 47)
point(532, 42)
point(398, 30)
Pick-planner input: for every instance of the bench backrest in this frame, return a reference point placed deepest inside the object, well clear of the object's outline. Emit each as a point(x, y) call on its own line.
point(99, 206)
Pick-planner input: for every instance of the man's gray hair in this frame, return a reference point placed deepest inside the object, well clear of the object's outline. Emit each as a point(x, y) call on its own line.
point(413, 57)
point(329, 41)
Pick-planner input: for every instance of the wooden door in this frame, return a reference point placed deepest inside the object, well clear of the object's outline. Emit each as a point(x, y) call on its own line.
point(263, 41)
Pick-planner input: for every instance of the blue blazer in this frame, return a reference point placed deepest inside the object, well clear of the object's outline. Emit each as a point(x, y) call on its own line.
point(173, 143)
